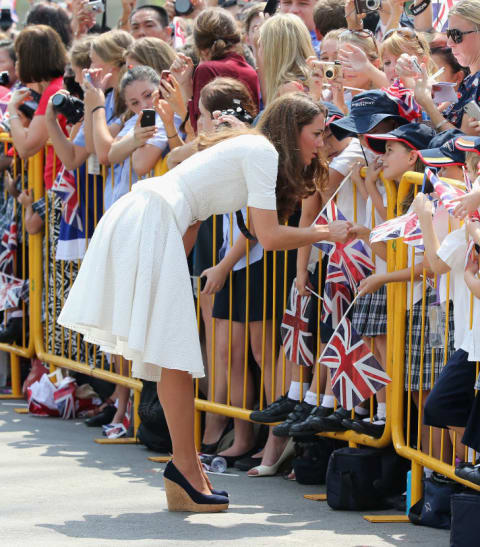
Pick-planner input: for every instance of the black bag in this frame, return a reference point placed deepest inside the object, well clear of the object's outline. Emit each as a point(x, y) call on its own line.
point(433, 509)
point(363, 478)
point(153, 431)
point(311, 463)
point(465, 530)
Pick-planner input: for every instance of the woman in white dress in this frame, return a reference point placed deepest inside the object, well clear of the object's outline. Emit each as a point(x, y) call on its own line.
point(133, 294)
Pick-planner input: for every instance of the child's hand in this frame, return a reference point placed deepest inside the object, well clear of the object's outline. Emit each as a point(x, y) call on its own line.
point(371, 284)
point(472, 264)
point(302, 282)
point(358, 231)
point(216, 277)
point(356, 176)
point(25, 198)
point(373, 170)
point(473, 229)
point(422, 206)
point(466, 204)
point(142, 134)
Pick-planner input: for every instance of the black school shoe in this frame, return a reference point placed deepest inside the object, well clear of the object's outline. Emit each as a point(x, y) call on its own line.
point(469, 472)
point(348, 422)
point(331, 422)
point(298, 414)
point(307, 427)
point(102, 418)
point(373, 429)
point(274, 412)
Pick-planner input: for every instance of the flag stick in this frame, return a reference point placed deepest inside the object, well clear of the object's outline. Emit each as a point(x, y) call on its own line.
point(338, 326)
point(313, 292)
point(335, 193)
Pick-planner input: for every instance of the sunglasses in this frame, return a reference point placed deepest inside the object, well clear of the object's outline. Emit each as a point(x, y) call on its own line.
point(457, 35)
point(363, 33)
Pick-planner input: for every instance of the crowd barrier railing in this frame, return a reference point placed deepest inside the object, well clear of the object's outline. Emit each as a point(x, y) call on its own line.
point(13, 214)
point(272, 364)
point(429, 447)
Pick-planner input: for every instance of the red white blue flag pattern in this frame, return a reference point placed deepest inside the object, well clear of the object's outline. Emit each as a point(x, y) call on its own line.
point(356, 373)
point(296, 338)
point(12, 290)
point(66, 187)
point(8, 249)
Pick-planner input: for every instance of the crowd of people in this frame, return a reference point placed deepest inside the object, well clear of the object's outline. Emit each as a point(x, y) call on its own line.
point(397, 88)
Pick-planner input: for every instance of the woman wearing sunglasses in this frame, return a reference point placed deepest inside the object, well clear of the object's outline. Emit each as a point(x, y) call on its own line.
point(464, 39)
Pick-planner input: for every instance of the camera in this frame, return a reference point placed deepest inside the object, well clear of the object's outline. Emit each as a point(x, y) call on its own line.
point(366, 6)
point(96, 6)
point(4, 78)
point(70, 107)
point(239, 112)
point(332, 71)
point(183, 7)
point(28, 108)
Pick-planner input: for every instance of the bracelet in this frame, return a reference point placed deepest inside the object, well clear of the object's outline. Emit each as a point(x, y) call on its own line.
point(98, 108)
point(441, 124)
point(172, 136)
point(419, 8)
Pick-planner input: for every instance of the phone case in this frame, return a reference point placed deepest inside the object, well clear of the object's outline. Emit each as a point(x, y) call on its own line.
point(473, 110)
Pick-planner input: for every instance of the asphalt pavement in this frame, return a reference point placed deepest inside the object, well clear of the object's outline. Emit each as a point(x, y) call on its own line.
point(59, 487)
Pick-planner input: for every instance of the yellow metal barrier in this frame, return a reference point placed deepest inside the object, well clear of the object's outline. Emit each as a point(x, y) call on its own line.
point(419, 455)
point(269, 363)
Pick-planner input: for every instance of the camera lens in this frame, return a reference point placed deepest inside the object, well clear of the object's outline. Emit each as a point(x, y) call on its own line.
point(58, 99)
point(373, 4)
point(329, 74)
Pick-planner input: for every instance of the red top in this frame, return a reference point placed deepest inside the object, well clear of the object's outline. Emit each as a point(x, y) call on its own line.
point(48, 174)
point(232, 66)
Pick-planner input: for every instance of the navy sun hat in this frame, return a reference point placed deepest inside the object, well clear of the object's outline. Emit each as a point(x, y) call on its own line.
point(367, 110)
point(333, 113)
point(468, 144)
point(442, 150)
point(414, 135)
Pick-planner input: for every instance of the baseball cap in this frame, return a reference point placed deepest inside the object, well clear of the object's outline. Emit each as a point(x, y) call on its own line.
point(442, 150)
point(468, 144)
point(367, 110)
point(414, 135)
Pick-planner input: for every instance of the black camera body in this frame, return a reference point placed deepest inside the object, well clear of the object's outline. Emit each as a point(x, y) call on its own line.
point(366, 6)
point(239, 112)
point(71, 107)
point(4, 78)
point(28, 108)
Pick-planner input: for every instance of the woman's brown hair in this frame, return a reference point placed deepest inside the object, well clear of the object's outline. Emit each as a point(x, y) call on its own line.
point(40, 53)
point(220, 93)
point(152, 52)
point(215, 29)
point(282, 122)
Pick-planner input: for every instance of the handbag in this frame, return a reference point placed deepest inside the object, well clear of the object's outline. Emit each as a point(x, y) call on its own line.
point(465, 530)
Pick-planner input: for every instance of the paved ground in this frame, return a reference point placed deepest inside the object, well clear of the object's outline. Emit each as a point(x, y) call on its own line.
point(58, 487)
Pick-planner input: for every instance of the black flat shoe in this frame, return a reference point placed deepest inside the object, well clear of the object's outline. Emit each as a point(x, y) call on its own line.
point(469, 472)
point(245, 464)
point(232, 459)
point(298, 414)
point(102, 418)
point(211, 448)
point(181, 496)
point(275, 412)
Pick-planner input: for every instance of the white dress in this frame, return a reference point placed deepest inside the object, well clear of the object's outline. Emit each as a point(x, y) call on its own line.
point(133, 294)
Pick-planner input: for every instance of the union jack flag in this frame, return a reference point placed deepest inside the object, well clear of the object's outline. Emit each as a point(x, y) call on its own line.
point(8, 249)
point(407, 105)
point(64, 398)
point(297, 340)
point(11, 291)
point(350, 259)
point(441, 18)
point(356, 374)
point(337, 297)
point(446, 192)
point(66, 187)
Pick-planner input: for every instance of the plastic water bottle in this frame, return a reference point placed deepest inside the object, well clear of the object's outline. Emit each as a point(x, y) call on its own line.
point(409, 491)
point(217, 464)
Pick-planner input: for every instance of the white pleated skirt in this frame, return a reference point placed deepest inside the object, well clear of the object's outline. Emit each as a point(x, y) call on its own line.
point(133, 295)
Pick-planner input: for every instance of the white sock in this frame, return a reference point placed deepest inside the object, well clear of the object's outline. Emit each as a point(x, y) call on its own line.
point(16, 313)
point(294, 391)
point(382, 410)
point(328, 401)
point(361, 410)
point(311, 398)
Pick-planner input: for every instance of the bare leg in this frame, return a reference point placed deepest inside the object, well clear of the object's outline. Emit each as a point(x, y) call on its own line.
point(175, 391)
point(122, 392)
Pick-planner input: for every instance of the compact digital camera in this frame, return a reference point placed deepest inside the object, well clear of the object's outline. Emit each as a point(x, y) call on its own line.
point(332, 71)
point(366, 6)
point(239, 112)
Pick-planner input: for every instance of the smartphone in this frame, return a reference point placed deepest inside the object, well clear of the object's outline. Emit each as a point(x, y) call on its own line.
point(148, 117)
point(165, 75)
point(473, 110)
point(96, 6)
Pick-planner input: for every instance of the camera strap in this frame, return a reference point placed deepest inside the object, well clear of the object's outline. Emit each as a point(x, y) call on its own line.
point(419, 8)
point(242, 227)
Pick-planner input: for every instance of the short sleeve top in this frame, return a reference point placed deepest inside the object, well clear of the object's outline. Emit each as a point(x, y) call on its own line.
point(469, 90)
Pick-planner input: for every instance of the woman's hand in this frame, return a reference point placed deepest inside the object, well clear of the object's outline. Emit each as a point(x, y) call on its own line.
point(165, 112)
point(354, 60)
point(142, 134)
point(315, 82)
point(216, 277)
point(172, 93)
point(302, 281)
point(371, 284)
point(423, 88)
point(466, 204)
point(228, 119)
point(358, 231)
point(50, 113)
point(25, 198)
point(17, 98)
point(182, 71)
point(422, 206)
point(339, 231)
